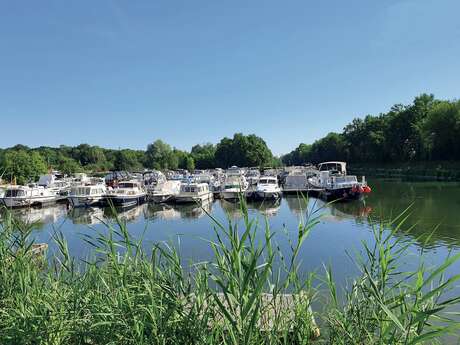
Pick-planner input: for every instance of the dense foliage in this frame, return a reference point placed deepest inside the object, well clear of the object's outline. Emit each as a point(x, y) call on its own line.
point(26, 164)
point(428, 129)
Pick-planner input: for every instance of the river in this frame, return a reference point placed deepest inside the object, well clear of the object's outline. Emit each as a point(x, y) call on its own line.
point(433, 223)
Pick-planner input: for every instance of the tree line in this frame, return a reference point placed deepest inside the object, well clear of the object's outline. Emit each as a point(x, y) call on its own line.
point(26, 164)
point(428, 129)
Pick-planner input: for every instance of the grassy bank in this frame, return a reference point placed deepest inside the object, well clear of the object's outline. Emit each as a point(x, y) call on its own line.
point(125, 294)
point(424, 171)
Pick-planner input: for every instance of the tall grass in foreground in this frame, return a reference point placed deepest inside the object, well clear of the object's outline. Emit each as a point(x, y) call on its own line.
point(125, 295)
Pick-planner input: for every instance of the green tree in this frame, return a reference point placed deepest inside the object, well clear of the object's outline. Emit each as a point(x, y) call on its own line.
point(69, 166)
point(243, 150)
point(330, 148)
point(190, 165)
point(204, 156)
point(127, 160)
point(441, 131)
point(159, 155)
point(24, 166)
point(87, 155)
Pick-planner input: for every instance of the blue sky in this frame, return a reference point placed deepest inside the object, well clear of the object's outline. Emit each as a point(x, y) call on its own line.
point(124, 73)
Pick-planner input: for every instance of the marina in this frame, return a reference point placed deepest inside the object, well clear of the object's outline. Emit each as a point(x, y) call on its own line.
point(343, 224)
point(328, 181)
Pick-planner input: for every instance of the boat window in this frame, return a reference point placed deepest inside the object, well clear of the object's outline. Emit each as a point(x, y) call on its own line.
point(126, 185)
point(263, 181)
point(12, 193)
point(192, 189)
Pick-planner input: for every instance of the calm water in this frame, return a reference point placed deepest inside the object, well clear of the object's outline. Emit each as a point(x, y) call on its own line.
point(435, 207)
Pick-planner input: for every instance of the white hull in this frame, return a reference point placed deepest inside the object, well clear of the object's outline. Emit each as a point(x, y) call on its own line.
point(183, 199)
point(268, 195)
point(160, 198)
point(24, 201)
point(232, 195)
point(85, 201)
point(128, 199)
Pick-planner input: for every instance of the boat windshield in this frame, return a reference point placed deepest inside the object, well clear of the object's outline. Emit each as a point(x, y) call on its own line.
point(189, 189)
point(269, 181)
point(126, 185)
point(335, 167)
point(13, 193)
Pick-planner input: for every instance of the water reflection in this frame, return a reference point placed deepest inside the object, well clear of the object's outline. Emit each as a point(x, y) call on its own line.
point(161, 211)
point(266, 208)
point(194, 211)
point(39, 217)
point(127, 214)
point(435, 208)
point(90, 215)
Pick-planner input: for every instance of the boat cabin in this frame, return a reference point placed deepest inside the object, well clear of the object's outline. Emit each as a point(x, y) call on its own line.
point(335, 168)
point(194, 188)
point(268, 180)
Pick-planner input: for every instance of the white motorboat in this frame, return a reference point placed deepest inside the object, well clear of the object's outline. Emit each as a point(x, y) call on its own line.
point(60, 187)
point(335, 184)
point(253, 176)
point(164, 192)
point(80, 178)
point(127, 193)
point(32, 195)
point(267, 189)
point(86, 195)
point(234, 185)
point(192, 192)
point(296, 181)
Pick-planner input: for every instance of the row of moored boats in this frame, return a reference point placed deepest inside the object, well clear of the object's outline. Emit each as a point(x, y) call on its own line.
point(329, 180)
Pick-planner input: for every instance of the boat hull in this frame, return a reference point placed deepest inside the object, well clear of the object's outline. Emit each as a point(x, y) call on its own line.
point(27, 202)
point(342, 194)
point(261, 195)
point(76, 201)
point(126, 201)
point(232, 195)
point(193, 199)
point(158, 199)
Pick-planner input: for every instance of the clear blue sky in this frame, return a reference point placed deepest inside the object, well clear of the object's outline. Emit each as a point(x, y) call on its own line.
point(124, 73)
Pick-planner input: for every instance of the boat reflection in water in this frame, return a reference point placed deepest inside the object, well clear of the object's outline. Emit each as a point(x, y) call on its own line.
point(88, 215)
point(127, 214)
point(333, 211)
point(193, 211)
point(161, 211)
point(40, 216)
point(267, 208)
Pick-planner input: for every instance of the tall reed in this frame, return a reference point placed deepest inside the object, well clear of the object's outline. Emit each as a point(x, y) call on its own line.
point(250, 293)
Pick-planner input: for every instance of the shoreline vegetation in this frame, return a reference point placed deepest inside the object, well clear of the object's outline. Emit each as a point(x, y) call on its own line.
point(413, 171)
point(126, 293)
point(423, 135)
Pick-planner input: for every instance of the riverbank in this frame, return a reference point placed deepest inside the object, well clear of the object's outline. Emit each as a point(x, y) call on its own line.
point(126, 294)
point(423, 171)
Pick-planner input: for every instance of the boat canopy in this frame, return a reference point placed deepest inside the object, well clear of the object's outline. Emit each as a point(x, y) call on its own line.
point(340, 167)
